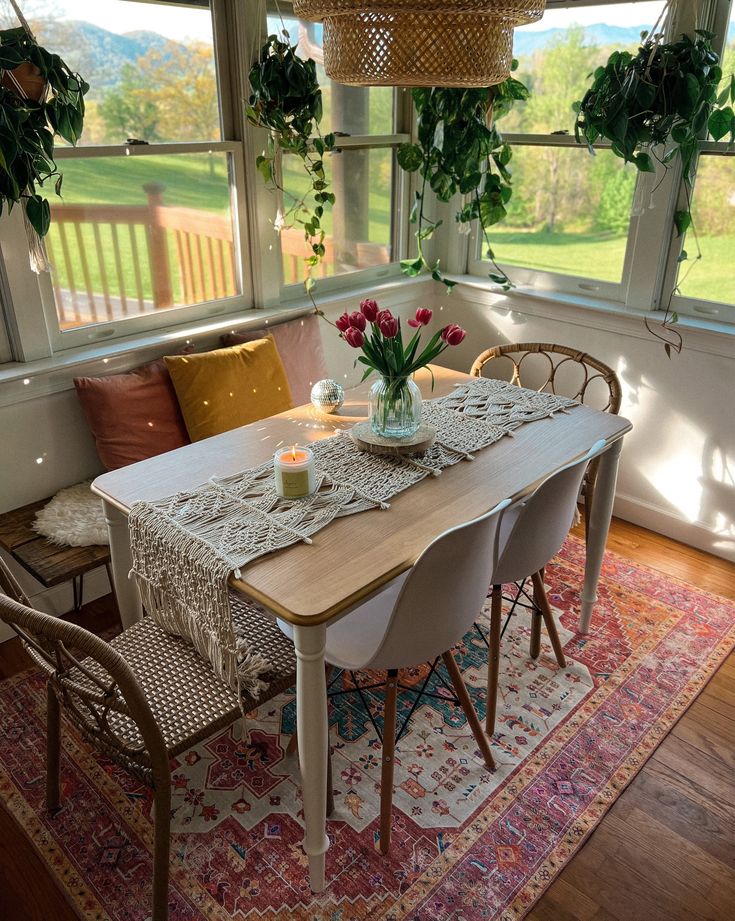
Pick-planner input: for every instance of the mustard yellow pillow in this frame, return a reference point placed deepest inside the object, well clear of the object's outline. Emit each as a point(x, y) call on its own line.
point(226, 388)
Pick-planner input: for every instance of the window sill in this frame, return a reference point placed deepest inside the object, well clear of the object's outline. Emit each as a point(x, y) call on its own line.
point(711, 336)
point(21, 381)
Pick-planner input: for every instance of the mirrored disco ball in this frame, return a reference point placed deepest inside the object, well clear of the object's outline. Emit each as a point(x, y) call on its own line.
point(327, 396)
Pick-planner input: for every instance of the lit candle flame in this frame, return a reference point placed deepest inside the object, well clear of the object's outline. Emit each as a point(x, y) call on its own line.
point(293, 452)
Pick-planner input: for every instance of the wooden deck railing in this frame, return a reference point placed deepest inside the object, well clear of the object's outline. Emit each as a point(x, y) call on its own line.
point(113, 261)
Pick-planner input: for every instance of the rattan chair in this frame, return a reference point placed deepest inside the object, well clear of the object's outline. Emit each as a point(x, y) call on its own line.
point(142, 698)
point(553, 369)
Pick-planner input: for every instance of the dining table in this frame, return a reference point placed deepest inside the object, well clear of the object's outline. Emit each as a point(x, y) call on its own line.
point(313, 585)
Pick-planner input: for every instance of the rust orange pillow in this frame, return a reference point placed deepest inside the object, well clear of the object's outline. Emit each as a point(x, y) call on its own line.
point(227, 388)
point(132, 416)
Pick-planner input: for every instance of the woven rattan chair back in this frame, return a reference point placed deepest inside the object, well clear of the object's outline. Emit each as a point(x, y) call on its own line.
point(93, 681)
point(10, 586)
point(556, 369)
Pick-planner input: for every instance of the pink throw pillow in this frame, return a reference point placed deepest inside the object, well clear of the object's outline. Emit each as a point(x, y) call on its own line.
point(299, 343)
point(134, 415)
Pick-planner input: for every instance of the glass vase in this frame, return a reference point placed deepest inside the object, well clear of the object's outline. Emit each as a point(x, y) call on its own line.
point(395, 407)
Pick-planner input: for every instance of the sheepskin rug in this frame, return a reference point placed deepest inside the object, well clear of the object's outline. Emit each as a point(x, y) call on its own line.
point(73, 517)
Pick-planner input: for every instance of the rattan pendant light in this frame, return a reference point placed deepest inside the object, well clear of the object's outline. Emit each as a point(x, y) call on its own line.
point(419, 42)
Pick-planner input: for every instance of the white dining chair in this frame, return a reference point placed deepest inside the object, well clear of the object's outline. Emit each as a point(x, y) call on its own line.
point(418, 618)
point(531, 534)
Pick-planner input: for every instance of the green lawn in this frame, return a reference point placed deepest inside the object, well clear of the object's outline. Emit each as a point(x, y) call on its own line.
point(600, 257)
point(200, 181)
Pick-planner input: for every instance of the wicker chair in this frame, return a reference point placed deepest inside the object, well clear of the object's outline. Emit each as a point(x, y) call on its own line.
point(142, 698)
point(555, 368)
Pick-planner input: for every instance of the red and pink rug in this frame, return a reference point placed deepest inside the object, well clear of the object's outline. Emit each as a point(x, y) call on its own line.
point(467, 844)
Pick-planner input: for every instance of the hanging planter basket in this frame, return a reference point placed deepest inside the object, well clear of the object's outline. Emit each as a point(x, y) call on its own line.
point(421, 43)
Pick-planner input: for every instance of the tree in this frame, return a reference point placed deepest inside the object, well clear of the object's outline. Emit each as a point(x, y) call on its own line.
point(129, 111)
point(170, 94)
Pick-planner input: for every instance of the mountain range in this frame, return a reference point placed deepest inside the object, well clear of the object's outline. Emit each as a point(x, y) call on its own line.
point(99, 55)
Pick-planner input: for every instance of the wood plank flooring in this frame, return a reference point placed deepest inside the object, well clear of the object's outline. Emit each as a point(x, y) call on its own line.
point(664, 852)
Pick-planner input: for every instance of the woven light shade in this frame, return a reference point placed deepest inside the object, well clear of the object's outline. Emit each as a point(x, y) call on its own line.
point(515, 11)
point(419, 42)
point(415, 49)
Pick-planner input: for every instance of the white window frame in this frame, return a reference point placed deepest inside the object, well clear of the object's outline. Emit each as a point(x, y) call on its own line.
point(29, 302)
point(402, 126)
point(653, 247)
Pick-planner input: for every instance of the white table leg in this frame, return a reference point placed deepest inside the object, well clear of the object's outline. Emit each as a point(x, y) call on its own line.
point(128, 597)
point(312, 728)
point(601, 514)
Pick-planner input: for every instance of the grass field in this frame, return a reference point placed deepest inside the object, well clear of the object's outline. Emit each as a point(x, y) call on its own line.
point(600, 257)
point(201, 182)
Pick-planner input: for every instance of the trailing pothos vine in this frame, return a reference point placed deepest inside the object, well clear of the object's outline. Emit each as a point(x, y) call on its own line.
point(655, 106)
point(460, 150)
point(287, 101)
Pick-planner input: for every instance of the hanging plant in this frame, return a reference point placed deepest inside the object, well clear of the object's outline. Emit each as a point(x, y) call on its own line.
point(654, 107)
point(287, 101)
point(460, 150)
point(40, 98)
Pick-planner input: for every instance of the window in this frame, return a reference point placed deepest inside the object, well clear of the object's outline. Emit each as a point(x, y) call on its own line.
point(706, 287)
point(362, 231)
point(568, 220)
point(148, 229)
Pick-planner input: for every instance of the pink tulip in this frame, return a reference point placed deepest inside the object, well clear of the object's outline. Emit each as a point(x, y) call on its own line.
point(383, 315)
point(358, 321)
point(423, 318)
point(389, 327)
point(370, 309)
point(354, 337)
point(453, 334)
point(343, 323)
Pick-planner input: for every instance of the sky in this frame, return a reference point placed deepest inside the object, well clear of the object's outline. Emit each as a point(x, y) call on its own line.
point(181, 23)
point(623, 14)
point(174, 22)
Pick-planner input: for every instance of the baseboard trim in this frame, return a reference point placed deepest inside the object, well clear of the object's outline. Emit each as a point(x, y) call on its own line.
point(662, 521)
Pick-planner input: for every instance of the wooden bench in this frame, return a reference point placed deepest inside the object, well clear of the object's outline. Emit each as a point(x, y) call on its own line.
point(51, 564)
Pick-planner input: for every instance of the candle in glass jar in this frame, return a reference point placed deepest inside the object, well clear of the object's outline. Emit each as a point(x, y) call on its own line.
point(295, 472)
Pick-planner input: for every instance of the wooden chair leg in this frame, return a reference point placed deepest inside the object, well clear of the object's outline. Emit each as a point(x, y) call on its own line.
point(535, 648)
point(539, 593)
point(389, 749)
point(161, 850)
point(53, 748)
point(469, 711)
point(293, 744)
point(493, 658)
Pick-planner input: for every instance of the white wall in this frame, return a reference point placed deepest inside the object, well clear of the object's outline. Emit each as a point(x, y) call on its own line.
point(678, 464)
point(677, 471)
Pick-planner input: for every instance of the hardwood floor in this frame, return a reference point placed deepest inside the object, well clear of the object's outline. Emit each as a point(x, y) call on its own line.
point(664, 852)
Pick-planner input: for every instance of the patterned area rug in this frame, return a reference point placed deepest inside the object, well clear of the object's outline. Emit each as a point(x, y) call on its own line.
point(467, 844)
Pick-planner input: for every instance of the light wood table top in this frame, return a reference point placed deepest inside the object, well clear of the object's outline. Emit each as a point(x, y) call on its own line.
point(353, 556)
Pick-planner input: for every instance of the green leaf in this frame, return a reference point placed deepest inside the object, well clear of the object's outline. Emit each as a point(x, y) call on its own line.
point(683, 221)
point(39, 214)
point(721, 122)
point(411, 267)
point(409, 157)
point(644, 163)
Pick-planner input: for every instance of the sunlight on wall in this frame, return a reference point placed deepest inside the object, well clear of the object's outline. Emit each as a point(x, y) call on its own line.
point(678, 477)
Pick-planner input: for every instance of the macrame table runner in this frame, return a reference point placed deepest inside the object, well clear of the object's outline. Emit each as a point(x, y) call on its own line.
point(185, 548)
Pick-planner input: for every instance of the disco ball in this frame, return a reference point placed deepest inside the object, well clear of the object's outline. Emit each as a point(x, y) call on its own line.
point(327, 396)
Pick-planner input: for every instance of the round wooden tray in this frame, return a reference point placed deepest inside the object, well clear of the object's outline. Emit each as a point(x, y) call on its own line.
point(367, 440)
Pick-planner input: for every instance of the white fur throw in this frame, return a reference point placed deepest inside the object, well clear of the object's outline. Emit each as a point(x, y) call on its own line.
point(73, 517)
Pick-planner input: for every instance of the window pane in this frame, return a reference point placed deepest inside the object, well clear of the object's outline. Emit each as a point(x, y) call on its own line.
point(358, 227)
point(713, 210)
point(136, 235)
point(569, 212)
point(150, 66)
point(351, 109)
point(557, 54)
